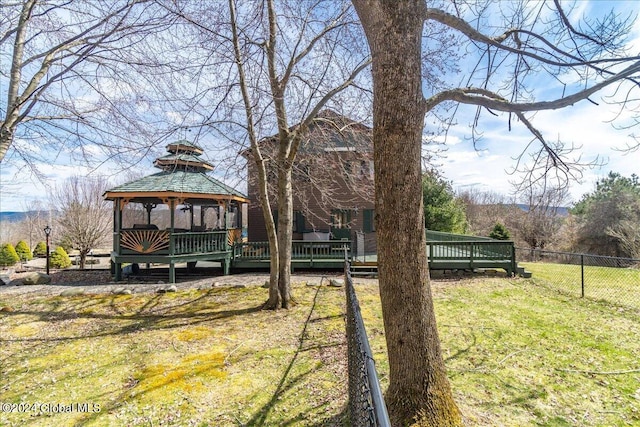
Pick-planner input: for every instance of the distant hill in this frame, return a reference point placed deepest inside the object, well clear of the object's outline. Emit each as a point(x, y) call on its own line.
point(19, 216)
point(12, 216)
point(562, 211)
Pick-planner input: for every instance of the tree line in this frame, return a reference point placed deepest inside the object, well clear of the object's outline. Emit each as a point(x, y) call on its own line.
point(605, 221)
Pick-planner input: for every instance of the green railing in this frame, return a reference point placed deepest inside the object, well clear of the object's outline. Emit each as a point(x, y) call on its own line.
point(439, 236)
point(199, 242)
point(163, 242)
point(300, 250)
point(475, 253)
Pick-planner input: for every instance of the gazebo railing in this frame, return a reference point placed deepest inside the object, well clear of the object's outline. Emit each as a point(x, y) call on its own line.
point(199, 242)
point(163, 242)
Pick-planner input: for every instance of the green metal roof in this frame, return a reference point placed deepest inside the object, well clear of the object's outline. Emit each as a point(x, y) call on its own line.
point(185, 144)
point(181, 161)
point(178, 182)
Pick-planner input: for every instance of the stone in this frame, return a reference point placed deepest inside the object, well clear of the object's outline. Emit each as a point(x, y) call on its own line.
point(266, 285)
point(240, 285)
point(122, 291)
point(336, 283)
point(72, 292)
point(5, 279)
point(36, 278)
point(171, 288)
point(215, 285)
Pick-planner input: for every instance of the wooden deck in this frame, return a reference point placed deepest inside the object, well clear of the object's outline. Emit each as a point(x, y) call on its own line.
point(450, 252)
point(442, 255)
point(328, 254)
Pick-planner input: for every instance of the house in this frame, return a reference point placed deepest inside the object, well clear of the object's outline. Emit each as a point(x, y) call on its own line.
point(333, 194)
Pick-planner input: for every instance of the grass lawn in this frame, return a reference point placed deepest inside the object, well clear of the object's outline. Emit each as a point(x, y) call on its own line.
point(517, 354)
point(616, 285)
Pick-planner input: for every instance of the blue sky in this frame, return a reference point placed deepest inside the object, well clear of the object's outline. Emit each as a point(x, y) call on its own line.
point(484, 167)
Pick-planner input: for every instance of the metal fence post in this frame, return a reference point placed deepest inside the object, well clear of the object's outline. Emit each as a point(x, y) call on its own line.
point(582, 275)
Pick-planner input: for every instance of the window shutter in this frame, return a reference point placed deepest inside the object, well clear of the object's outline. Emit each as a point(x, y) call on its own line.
point(368, 225)
point(299, 222)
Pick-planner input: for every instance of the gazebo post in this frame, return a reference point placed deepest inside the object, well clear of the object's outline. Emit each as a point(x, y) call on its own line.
point(149, 207)
point(117, 226)
point(172, 246)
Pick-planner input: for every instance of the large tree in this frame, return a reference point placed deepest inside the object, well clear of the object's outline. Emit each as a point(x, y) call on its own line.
point(532, 41)
point(283, 63)
point(609, 217)
point(83, 216)
point(539, 224)
point(443, 211)
point(65, 76)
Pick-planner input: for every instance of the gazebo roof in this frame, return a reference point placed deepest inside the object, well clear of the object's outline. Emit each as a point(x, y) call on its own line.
point(183, 177)
point(184, 161)
point(183, 184)
point(184, 146)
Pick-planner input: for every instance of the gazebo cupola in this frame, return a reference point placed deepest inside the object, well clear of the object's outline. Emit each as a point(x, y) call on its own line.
point(183, 156)
point(180, 214)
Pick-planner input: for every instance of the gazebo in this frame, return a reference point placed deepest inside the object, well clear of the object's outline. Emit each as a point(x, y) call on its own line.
point(179, 215)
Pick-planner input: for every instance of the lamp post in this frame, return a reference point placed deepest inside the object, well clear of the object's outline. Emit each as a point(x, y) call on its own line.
point(47, 232)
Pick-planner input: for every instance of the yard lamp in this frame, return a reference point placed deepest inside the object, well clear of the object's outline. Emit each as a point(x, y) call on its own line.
point(47, 232)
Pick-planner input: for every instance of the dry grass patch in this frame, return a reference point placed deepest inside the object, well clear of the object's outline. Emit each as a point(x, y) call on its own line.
point(191, 358)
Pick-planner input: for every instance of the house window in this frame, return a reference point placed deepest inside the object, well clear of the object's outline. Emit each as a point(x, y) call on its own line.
point(341, 224)
point(341, 218)
point(368, 225)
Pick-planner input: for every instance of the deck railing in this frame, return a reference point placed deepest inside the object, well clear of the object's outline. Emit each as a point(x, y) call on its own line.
point(440, 236)
point(472, 251)
point(199, 242)
point(300, 249)
point(163, 242)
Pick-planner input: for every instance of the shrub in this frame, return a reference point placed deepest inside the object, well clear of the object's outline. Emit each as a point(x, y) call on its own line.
point(23, 251)
point(8, 255)
point(60, 259)
point(66, 243)
point(40, 250)
point(500, 232)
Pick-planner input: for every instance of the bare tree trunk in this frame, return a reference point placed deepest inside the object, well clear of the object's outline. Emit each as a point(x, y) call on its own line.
point(418, 386)
point(274, 296)
point(8, 125)
point(285, 235)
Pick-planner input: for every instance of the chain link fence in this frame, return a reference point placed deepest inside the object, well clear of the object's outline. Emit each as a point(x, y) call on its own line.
point(611, 279)
point(366, 402)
